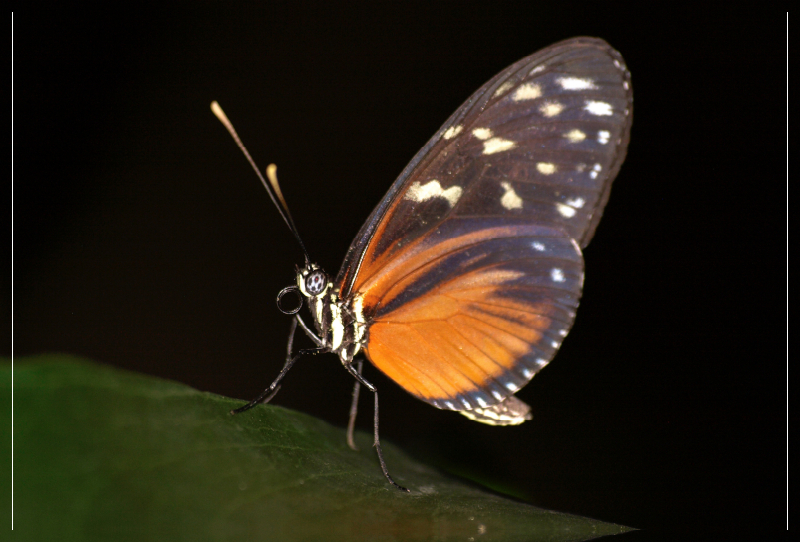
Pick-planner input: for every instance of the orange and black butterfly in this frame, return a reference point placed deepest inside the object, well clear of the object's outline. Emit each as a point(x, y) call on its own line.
point(464, 280)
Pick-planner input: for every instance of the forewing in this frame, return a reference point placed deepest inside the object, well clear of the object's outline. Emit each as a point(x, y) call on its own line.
point(541, 141)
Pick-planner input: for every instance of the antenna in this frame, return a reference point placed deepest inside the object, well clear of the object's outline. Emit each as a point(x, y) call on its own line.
point(273, 189)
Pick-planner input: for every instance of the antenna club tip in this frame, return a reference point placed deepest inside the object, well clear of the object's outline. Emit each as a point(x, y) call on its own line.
point(218, 112)
point(272, 172)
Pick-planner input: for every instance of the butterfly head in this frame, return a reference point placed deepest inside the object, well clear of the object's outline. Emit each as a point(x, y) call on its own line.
point(317, 288)
point(312, 281)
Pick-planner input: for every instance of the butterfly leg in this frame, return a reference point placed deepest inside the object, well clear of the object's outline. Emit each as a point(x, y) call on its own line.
point(273, 387)
point(351, 424)
point(289, 344)
point(311, 335)
point(377, 442)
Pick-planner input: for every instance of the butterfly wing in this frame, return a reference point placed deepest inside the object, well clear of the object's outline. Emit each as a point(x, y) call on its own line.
point(469, 271)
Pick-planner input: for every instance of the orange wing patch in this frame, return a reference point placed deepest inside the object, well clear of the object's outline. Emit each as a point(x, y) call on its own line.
point(455, 344)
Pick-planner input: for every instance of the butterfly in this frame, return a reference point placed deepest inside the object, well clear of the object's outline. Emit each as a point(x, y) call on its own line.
point(464, 280)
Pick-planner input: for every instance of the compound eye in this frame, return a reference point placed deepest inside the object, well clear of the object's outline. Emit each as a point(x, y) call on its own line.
point(315, 283)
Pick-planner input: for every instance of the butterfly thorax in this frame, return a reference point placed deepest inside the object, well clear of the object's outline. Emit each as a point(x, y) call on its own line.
point(340, 328)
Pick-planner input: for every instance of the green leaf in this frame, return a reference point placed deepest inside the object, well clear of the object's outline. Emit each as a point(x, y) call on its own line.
point(104, 454)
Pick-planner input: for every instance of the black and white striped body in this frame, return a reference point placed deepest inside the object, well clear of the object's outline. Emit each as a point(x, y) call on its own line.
point(341, 328)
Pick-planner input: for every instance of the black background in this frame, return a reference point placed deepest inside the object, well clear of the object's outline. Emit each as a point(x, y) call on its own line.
point(143, 239)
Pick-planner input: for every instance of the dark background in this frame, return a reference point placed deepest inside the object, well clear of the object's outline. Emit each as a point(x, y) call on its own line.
point(143, 239)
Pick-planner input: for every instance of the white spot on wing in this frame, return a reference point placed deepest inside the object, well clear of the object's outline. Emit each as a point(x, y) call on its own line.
point(546, 168)
point(557, 275)
point(511, 386)
point(527, 373)
point(481, 402)
point(452, 132)
point(541, 362)
point(538, 246)
point(595, 169)
point(576, 83)
point(482, 133)
point(510, 199)
point(551, 109)
point(537, 69)
point(577, 202)
point(432, 189)
point(562, 332)
point(498, 144)
point(598, 108)
point(497, 395)
point(602, 136)
point(450, 405)
point(575, 136)
point(502, 89)
point(528, 91)
point(565, 210)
